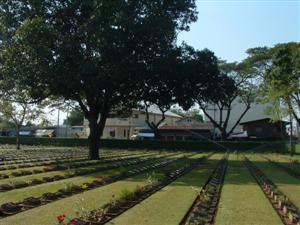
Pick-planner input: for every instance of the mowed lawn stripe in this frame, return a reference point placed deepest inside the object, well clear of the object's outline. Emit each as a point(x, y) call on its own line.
point(89, 200)
point(169, 205)
point(66, 171)
point(67, 163)
point(17, 195)
point(242, 201)
point(289, 185)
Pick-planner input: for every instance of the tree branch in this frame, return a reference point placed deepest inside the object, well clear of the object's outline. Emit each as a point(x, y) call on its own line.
point(239, 119)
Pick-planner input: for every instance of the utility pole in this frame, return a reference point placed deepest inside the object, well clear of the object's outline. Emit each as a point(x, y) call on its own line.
point(67, 125)
point(58, 114)
point(291, 135)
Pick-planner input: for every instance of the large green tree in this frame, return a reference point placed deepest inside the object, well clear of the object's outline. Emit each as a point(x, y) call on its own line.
point(91, 51)
point(166, 85)
point(279, 68)
point(157, 90)
point(17, 107)
point(217, 86)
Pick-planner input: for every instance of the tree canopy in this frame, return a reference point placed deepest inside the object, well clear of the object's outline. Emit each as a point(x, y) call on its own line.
point(279, 67)
point(91, 51)
point(218, 84)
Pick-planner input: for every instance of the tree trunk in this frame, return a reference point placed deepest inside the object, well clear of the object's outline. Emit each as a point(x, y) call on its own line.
point(156, 133)
point(94, 139)
point(223, 135)
point(17, 137)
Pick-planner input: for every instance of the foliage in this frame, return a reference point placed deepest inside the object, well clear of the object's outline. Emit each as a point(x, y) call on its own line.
point(158, 87)
point(75, 118)
point(152, 178)
point(6, 125)
point(45, 122)
point(85, 214)
point(68, 186)
point(193, 113)
point(279, 68)
point(126, 194)
point(17, 107)
point(92, 52)
point(235, 83)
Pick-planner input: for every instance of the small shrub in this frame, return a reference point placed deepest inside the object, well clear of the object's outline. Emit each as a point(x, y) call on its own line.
point(152, 178)
point(126, 194)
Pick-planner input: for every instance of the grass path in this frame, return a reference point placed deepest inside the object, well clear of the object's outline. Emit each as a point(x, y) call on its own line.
point(89, 200)
point(289, 185)
point(168, 206)
point(242, 201)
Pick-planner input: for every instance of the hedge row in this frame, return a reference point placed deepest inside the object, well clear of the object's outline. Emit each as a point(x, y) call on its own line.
point(152, 144)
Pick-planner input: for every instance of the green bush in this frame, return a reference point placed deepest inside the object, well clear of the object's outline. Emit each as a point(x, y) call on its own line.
point(126, 194)
point(152, 144)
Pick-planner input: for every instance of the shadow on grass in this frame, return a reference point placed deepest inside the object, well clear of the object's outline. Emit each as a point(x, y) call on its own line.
point(239, 174)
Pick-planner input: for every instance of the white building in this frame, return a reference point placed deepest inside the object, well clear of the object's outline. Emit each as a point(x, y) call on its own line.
point(256, 112)
point(124, 128)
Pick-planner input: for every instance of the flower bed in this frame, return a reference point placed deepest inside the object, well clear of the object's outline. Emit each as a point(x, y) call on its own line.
point(287, 211)
point(71, 190)
point(119, 206)
point(75, 164)
point(204, 208)
point(48, 179)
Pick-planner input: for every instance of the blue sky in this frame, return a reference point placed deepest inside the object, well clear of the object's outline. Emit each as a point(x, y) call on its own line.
point(230, 27)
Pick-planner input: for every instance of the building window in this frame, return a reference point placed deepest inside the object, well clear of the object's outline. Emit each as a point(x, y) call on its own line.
point(124, 134)
point(112, 133)
point(258, 129)
point(170, 138)
point(135, 116)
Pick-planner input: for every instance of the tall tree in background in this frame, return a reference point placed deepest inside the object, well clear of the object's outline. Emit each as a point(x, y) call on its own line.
point(17, 107)
point(167, 84)
point(93, 52)
point(221, 88)
point(280, 71)
point(75, 118)
point(158, 88)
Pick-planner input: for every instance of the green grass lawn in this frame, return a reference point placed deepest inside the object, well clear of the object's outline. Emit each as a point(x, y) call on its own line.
point(74, 161)
point(61, 172)
point(169, 205)
point(284, 160)
point(89, 200)
point(242, 201)
point(289, 185)
point(36, 191)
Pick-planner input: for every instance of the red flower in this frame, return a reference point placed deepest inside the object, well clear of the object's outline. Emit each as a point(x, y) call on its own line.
point(61, 218)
